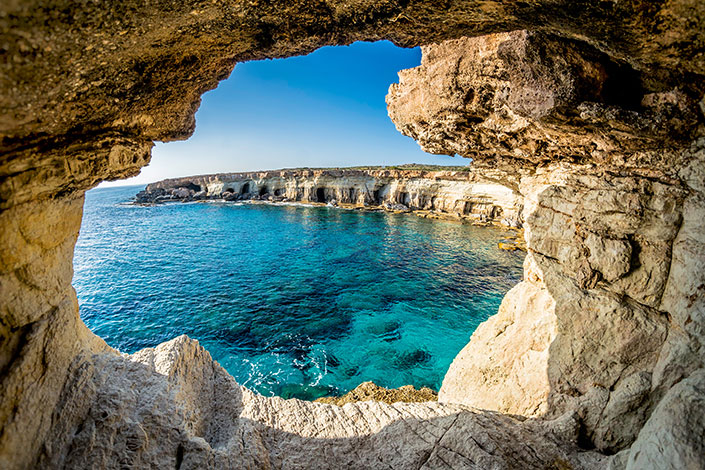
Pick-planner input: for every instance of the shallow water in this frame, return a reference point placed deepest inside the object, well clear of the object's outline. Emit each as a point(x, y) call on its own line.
point(293, 301)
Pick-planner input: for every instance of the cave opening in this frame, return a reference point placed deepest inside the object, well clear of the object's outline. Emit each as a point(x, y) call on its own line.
point(259, 184)
point(193, 187)
point(579, 372)
point(321, 195)
point(404, 198)
point(320, 95)
point(380, 194)
point(623, 85)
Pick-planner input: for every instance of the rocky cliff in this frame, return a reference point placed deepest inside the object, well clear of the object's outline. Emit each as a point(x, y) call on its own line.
point(463, 193)
point(609, 317)
point(595, 109)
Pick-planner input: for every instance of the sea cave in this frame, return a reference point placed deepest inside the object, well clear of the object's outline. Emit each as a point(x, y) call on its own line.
point(589, 114)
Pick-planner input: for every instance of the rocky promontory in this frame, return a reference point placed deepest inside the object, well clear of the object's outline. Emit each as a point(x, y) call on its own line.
point(478, 195)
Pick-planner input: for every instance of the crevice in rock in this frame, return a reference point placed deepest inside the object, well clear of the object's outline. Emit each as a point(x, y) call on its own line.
point(11, 344)
point(179, 456)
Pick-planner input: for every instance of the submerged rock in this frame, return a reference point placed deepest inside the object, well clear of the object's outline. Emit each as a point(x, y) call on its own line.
point(369, 391)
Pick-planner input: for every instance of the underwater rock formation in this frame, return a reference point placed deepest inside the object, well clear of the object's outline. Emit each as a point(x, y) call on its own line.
point(595, 108)
point(466, 193)
point(369, 391)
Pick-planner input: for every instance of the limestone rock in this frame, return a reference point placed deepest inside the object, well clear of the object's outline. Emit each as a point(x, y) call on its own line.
point(369, 391)
point(465, 193)
point(503, 367)
point(610, 257)
point(526, 98)
point(198, 417)
point(672, 438)
point(558, 345)
point(593, 111)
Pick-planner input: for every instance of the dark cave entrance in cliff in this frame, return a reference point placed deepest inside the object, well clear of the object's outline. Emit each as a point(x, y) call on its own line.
point(245, 189)
point(194, 187)
point(380, 193)
point(321, 194)
point(404, 198)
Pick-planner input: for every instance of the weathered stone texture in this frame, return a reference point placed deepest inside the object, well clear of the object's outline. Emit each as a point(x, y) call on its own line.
point(593, 109)
point(369, 391)
point(40, 332)
point(608, 234)
point(172, 406)
point(504, 366)
point(483, 196)
point(525, 98)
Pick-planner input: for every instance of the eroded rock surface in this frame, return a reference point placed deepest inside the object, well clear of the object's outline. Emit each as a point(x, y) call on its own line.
point(503, 367)
point(369, 391)
point(595, 108)
point(484, 196)
point(595, 328)
point(525, 98)
point(172, 406)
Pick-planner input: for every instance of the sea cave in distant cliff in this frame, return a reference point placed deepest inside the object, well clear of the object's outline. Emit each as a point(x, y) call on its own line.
point(542, 307)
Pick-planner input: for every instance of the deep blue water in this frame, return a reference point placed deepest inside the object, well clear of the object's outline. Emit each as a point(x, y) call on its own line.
point(293, 301)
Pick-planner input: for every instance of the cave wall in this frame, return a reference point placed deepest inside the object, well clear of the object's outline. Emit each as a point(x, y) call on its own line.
point(88, 87)
point(593, 329)
point(42, 338)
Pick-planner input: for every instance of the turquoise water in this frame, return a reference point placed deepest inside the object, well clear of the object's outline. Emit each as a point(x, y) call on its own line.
point(293, 301)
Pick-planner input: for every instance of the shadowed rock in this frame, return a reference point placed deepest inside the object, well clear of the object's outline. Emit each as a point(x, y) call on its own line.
point(592, 110)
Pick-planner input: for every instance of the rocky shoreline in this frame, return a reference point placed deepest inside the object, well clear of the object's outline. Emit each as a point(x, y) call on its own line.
point(370, 391)
point(594, 110)
point(466, 194)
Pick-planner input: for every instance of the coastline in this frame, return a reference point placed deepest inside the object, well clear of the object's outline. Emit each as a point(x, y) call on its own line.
point(478, 196)
point(513, 241)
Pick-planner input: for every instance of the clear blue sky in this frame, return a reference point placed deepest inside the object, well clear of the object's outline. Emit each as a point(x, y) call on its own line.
point(320, 110)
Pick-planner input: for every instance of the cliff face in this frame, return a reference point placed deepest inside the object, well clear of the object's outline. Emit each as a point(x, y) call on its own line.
point(527, 98)
point(466, 194)
point(595, 116)
point(610, 315)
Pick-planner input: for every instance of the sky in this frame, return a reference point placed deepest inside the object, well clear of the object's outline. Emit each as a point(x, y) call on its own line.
point(325, 109)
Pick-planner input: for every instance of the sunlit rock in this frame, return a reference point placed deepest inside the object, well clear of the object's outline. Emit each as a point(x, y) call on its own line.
point(595, 109)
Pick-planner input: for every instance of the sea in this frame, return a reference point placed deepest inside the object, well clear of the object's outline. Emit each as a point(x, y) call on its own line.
point(292, 300)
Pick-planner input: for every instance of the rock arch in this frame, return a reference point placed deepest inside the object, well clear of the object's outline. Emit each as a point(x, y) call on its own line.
point(622, 179)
